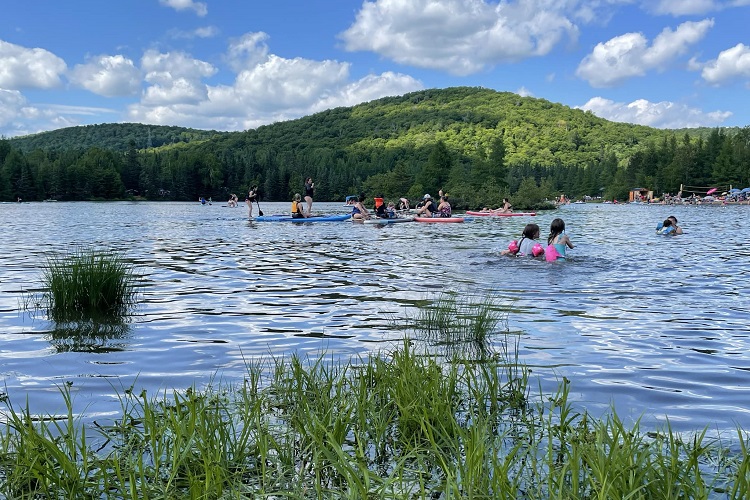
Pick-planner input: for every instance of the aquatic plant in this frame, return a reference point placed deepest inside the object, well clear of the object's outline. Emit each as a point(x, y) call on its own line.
point(88, 285)
point(458, 322)
point(399, 424)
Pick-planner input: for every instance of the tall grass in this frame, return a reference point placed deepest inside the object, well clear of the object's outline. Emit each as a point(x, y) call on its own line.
point(88, 285)
point(395, 425)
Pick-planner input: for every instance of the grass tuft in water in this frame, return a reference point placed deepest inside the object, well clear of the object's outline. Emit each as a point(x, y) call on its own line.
point(395, 425)
point(88, 285)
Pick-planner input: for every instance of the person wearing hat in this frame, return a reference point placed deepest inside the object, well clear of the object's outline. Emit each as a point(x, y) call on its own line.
point(429, 209)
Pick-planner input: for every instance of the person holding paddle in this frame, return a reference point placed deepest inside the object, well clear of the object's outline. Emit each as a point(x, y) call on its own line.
point(252, 196)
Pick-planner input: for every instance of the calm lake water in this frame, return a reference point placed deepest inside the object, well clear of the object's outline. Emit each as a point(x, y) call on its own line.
point(657, 327)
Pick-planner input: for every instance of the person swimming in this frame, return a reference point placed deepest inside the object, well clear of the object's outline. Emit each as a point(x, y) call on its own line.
point(557, 241)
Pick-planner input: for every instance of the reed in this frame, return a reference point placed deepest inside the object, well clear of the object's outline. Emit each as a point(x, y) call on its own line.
point(88, 285)
point(398, 424)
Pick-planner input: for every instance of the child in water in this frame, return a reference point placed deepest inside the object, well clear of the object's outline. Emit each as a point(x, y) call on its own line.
point(527, 245)
point(558, 240)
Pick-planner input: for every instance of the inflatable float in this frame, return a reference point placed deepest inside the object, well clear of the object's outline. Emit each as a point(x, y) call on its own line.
point(314, 218)
point(439, 219)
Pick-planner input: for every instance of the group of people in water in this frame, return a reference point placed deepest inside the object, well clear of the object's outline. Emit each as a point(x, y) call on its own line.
point(558, 242)
point(529, 245)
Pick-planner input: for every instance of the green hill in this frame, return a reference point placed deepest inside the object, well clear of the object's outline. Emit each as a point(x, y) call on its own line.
point(475, 143)
point(112, 136)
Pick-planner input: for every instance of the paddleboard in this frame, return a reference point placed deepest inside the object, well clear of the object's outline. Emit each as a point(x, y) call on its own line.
point(395, 220)
point(314, 218)
point(439, 219)
point(501, 214)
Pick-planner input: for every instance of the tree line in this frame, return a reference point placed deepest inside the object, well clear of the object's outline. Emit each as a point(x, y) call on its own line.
point(477, 145)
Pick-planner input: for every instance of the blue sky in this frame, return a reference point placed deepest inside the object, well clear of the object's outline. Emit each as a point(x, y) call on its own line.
point(235, 65)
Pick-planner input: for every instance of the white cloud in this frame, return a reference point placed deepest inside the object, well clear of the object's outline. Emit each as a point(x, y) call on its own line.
point(174, 77)
point(109, 76)
point(663, 114)
point(18, 117)
point(22, 68)
point(524, 92)
point(369, 88)
point(458, 36)
point(200, 8)
point(11, 102)
point(731, 64)
point(629, 55)
point(203, 32)
point(164, 67)
point(267, 89)
point(682, 7)
point(247, 51)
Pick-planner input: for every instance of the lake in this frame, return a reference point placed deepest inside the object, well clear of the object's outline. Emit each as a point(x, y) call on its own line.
point(658, 327)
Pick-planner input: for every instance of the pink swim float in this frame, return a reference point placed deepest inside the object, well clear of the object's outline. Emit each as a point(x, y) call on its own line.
point(513, 247)
point(537, 250)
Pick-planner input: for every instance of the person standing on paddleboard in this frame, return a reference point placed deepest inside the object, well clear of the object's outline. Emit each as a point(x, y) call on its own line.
point(309, 193)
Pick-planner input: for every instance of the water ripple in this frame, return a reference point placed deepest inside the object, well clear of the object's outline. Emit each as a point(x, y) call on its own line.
point(657, 327)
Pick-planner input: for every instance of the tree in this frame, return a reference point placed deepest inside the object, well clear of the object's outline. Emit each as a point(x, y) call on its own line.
point(435, 172)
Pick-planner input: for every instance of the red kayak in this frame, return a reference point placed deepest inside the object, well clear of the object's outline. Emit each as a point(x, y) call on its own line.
point(439, 219)
point(500, 214)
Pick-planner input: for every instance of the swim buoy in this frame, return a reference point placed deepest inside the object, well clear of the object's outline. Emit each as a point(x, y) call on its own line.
point(537, 250)
point(513, 247)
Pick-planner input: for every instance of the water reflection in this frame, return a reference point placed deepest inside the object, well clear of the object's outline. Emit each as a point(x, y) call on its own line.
point(655, 326)
point(92, 337)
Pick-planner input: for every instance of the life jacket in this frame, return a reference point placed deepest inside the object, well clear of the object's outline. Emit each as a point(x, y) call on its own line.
point(296, 208)
point(378, 202)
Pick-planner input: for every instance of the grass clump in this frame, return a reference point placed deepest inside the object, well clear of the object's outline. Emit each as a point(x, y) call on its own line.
point(393, 426)
point(88, 285)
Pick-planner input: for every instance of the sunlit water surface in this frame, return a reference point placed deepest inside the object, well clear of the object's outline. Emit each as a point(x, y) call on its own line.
point(655, 327)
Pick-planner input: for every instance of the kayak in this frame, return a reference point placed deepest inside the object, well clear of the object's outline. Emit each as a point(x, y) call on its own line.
point(394, 220)
point(439, 219)
point(314, 218)
point(501, 214)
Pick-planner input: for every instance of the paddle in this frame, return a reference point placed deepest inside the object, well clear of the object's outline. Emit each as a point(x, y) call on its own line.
point(260, 212)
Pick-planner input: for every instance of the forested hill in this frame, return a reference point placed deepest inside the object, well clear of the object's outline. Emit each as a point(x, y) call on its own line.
point(477, 144)
point(467, 120)
point(112, 136)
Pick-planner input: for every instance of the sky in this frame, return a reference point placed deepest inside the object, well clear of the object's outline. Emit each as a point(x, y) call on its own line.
point(235, 65)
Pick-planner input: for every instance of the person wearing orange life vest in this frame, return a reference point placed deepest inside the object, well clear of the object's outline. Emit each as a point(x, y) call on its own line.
point(380, 207)
point(297, 211)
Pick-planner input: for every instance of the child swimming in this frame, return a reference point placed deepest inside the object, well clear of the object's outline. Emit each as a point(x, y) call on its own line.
point(527, 245)
point(557, 241)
